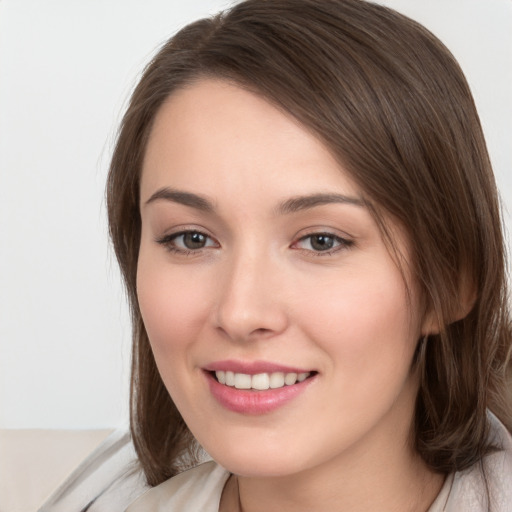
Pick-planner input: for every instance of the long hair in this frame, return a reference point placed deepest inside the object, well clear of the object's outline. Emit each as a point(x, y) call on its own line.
point(391, 103)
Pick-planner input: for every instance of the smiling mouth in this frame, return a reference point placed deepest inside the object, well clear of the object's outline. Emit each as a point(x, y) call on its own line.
point(260, 381)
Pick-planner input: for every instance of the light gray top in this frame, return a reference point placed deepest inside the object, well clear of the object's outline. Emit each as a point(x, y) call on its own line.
point(108, 481)
point(201, 487)
point(485, 486)
point(197, 489)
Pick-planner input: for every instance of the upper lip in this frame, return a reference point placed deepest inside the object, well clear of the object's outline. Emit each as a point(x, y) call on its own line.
point(252, 367)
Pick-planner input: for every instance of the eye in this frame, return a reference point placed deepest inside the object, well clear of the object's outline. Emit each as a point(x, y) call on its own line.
point(322, 243)
point(191, 240)
point(187, 241)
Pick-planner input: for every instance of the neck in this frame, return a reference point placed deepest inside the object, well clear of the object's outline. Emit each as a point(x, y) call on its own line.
point(386, 494)
point(411, 489)
point(366, 477)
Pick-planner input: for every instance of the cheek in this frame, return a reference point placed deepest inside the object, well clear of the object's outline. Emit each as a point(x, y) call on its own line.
point(364, 326)
point(364, 322)
point(174, 306)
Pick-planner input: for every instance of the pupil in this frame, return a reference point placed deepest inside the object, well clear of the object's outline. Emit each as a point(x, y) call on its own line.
point(322, 242)
point(194, 240)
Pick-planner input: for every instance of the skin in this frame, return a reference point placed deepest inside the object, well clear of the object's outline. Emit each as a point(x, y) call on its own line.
point(260, 289)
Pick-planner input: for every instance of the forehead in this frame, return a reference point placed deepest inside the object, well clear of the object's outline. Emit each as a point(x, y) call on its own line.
point(214, 133)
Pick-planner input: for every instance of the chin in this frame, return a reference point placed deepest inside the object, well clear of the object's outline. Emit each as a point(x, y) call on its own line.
point(258, 461)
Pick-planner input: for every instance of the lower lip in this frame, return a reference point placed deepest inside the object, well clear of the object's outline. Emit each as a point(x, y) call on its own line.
point(246, 401)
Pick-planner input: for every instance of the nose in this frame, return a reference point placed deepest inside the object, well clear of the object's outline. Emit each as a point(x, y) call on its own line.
point(250, 300)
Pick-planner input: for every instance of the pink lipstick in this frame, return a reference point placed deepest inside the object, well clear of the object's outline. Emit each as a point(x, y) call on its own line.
point(255, 387)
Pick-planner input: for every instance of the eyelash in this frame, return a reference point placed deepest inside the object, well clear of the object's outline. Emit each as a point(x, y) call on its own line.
point(168, 242)
point(343, 243)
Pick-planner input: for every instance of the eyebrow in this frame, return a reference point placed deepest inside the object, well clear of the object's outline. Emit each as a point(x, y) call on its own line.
point(181, 197)
point(292, 205)
point(296, 204)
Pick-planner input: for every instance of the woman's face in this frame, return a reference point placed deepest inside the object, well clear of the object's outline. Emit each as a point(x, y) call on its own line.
point(260, 265)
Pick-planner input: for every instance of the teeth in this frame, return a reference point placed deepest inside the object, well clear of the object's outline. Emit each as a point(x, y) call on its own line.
point(242, 381)
point(290, 379)
point(277, 380)
point(230, 379)
point(260, 381)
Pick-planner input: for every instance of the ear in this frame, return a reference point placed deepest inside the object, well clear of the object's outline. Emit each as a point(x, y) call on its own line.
point(460, 308)
point(430, 324)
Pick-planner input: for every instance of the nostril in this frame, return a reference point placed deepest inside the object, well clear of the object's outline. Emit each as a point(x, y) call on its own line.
point(261, 330)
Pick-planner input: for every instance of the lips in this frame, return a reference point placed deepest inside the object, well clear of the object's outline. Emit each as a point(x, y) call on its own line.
point(253, 367)
point(256, 387)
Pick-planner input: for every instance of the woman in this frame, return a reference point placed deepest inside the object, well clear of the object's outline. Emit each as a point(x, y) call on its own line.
point(305, 215)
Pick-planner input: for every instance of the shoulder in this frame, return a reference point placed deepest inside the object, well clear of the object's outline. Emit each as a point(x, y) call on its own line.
point(486, 485)
point(199, 488)
point(106, 481)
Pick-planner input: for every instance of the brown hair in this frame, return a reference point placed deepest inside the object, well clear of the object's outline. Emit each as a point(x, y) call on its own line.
point(392, 104)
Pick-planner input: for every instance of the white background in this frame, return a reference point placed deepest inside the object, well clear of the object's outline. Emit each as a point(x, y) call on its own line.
point(66, 70)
